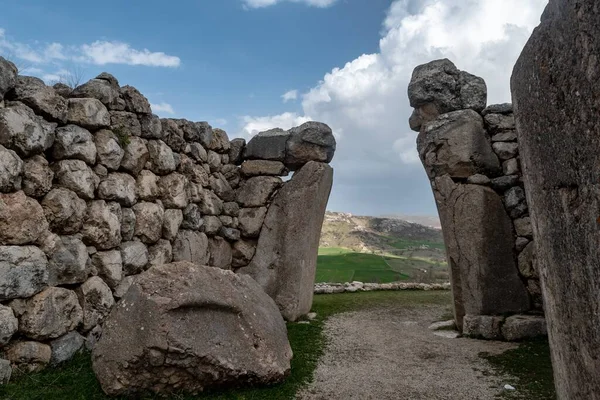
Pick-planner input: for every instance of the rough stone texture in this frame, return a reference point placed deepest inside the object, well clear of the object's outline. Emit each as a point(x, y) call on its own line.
point(28, 356)
point(505, 150)
point(286, 256)
point(101, 227)
point(263, 167)
point(523, 227)
point(161, 253)
point(22, 219)
point(23, 271)
point(135, 257)
point(8, 324)
point(118, 187)
point(439, 87)
point(219, 316)
point(161, 157)
point(124, 286)
point(192, 218)
point(220, 253)
point(128, 223)
point(151, 128)
point(242, 253)
point(210, 204)
point(8, 76)
point(109, 152)
point(22, 131)
point(555, 87)
point(5, 368)
point(256, 191)
point(109, 266)
point(135, 101)
point(148, 221)
point(67, 260)
point(135, 157)
point(483, 326)
point(65, 347)
point(172, 222)
point(11, 170)
point(219, 141)
point(212, 225)
point(527, 262)
point(519, 327)
point(268, 145)
point(251, 221)
point(88, 113)
point(76, 176)
point(41, 98)
point(236, 150)
point(74, 142)
point(125, 124)
point(311, 141)
point(37, 176)
point(484, 278)
point(101, 89)
point(96, 301)
point(147, 186)
point(191, 246)
point(457, 144)
point(173, 190)
point(49, 314)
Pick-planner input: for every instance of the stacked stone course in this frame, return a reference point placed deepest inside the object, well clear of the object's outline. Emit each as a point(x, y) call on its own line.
point(95, 189)
point(471, 156)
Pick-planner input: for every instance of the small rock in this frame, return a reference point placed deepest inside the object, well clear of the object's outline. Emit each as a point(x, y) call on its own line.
point(256, 191)
point(5, 371)
point(191, 246)
point(251, 221)
point(172, 222)
point(161, 253)
point(24, 132)
point(135, 157)
point(101, 227)
point(135, 257)
point(110, 266)
point(128, 222)
point(96, 300)
point(37, 176)
point(505, 150)
point(29, 356)
point(109, 151)
point(161, 157)
point(9, 324)
point(65, 347)
point(11, 170)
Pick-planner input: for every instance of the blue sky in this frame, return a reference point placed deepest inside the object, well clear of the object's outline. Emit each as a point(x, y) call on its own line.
point(249, 65)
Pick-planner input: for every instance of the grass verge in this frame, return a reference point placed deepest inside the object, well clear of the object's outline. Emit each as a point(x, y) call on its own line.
point(75, 380)
point(531, 366)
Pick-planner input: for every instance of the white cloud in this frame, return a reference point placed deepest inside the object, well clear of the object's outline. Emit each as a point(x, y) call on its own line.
point(367, 98)
point(162, 108)
point(98, 52)
point(267, 3)
point(220, 121)
point(102, 53)
point(289, 95)
point(254, 125)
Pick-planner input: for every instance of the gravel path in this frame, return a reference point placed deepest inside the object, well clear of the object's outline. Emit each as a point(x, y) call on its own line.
point(391, 354)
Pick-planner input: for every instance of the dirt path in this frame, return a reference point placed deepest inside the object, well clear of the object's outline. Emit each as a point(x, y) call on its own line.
point(391, 354)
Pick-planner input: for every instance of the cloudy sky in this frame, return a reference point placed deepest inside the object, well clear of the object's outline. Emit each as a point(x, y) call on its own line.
point(250, 65)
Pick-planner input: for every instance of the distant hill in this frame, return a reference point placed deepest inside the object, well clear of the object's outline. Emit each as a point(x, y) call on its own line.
point(432, 221)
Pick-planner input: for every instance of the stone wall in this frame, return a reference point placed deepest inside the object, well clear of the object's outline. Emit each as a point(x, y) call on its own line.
point(95, 189)
point(471, 156)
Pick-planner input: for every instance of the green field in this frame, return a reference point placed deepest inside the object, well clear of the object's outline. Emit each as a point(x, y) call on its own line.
point(339, 265)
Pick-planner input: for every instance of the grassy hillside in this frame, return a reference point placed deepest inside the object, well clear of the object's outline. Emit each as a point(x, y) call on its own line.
point(379, 250)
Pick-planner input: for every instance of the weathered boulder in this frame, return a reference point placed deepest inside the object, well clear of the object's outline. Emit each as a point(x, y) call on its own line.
point(28, 356)
point(220, 253)
point(209, 203)
point(136, 155)
point(483, 326)
point(148, 221)
point(263, 167)
point(519, 327)
point(110, 154)
point(161, 253)
point(101, 227)
point(192, 218)
point(484, 277)
point(212, 225)
point(457, 144)
point(191, 246)
point(67, 260)
point(173, 192)
point(242, 253)
point(236, 150)
point(230, 329)
point(96, 301)
point(194, 172)
point(311, 141)
point(23, 271)
point(22, 219)
point(256, 191)
point(76, 176)
point(41, 98)
point(8, 324)
point(286, 254)
point(172, 134)
point(37, 176)
point(251, 221)
point(64, 211)
point(49, 314)
point(109, 266)
point(119, 187)
point(147, 186)
point(107, 91)
point(11, 170)
point(161, 157)
point(222, 188)
point(219, 141)
point(24, 132)
point(438, 87)
point(74, 142)
point(214, 161)
point(125, 125)
point(151, 128)
point(65, 347)
point(268, 145)
point(172, 222)
point(135, 257)
point(8, 76)
point(135, 102)
point(505, 150)
point(128, 221)
point(88, 113)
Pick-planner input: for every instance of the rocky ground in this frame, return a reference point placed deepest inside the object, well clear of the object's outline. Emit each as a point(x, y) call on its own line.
point(389, 353)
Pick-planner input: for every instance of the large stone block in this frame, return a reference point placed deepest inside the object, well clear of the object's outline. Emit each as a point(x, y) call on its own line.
point(311, 141)
point(74, 142)
point(286, 254)
point(457, 144)
point(88, 113)
point(23, 271)
point(218, 316)
point(24, 132)
point(191, 246)
point(479, 245)
point(555, 86)
point(268, 145)
point(256, 191)
point(41, 98)
point(22, 219)
point(520, 327)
